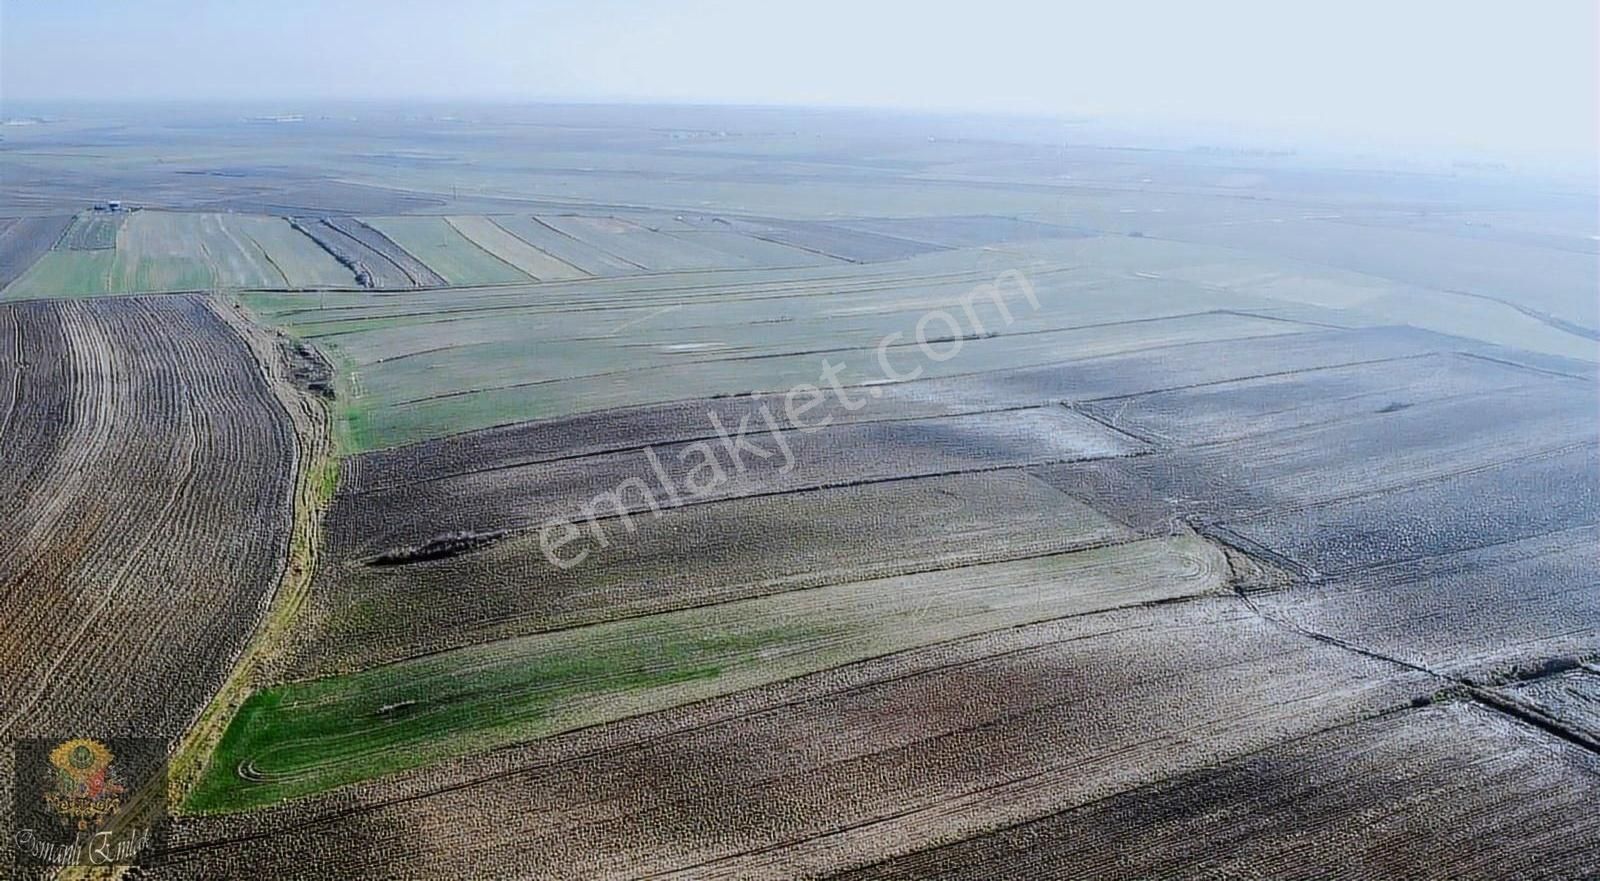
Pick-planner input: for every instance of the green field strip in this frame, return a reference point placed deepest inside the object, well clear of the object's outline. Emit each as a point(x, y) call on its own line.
point(92, 232)
point(541, 234)
point(64, 273)
point(305, 737)
point(495, 239)
point(438, 244)
point(302, 261)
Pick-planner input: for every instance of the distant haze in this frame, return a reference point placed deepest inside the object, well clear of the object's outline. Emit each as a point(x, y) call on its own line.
point(1516, 79)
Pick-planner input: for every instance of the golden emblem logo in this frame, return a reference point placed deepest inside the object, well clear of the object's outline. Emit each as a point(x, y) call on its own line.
point(86, 788)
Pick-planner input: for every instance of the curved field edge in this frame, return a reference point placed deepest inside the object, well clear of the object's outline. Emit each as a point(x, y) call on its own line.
point(315, 480)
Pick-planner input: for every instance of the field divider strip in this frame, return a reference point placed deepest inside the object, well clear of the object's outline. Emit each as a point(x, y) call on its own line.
point(313, 456)
point(1518, 364)
point(1487, 697)
point(1046, 771)
point(674, 441)
point(798, 247)
point(570, 265)
point(1154, 443)
point(1269, 375)
point(1406, 485)
point(774, 280)
point(1572, 328)
point(415, 281)
point(1533, 717)
point(264, 253)
point(864, 481)
point(539, 220)
point(1042, 402)
point(450, 222)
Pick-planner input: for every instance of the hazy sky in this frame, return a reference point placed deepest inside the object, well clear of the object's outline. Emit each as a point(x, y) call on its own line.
point(1513, 77)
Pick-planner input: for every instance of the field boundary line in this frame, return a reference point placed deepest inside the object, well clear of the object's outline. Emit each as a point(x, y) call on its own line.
point(1042, 402)
point(1269, 375)
point(1484, 696)
point(310, 498)
point(582, 273)
point(1345, 576)
point(733, 359)
point(1521, 366)
point(687, 439)
point(356, 221)
point(925, 567)
point(1553, 322)
point(644, 299)
point(1581, 331)
point(1533, 717)
point(776, 281)
point(867, 481)
point(449, 220)
point(1151, 786)
point(263, 251)
point(1411, 484)
point(680, 236)
point(566, 235)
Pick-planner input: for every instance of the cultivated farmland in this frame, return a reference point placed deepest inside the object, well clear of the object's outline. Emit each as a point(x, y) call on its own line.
point(296, 740)
point(424, 364)
point(294, 258)
point(567, 248)
point(369, 268)
point(24, 241)
point(385, 250)
point(1471, 766)
point(160, 252)
point(450, 255)
point(461, 510)
point(583, 492)
point(1014, 723)
point(756, 546)
point(488, 234)
point(124, 503)
point(92, 232)
point(151, 251)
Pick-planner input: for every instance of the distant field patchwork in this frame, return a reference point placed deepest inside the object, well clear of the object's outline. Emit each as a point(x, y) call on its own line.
point(1147, 512)
point(419, 365)
point(93, 231)
point(150, 251)
point(25, 240)
point(157, 251)
point(454, 257)
point(488, 234)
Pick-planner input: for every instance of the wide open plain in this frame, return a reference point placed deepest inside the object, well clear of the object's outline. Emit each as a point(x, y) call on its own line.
point(440, 492)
